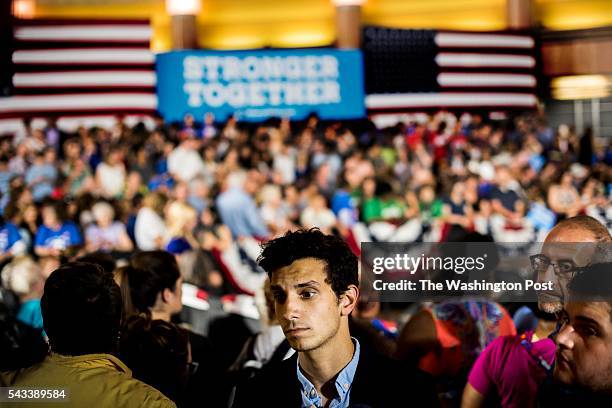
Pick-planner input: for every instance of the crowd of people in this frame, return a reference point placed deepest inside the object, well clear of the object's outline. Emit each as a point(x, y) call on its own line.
point(110, 236)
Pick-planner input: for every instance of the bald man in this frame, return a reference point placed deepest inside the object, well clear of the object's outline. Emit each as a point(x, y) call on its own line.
point(570, 244)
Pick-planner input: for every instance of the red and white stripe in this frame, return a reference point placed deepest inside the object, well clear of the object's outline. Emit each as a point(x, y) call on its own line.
point(81, 67)
point(85, 56)
point(123, 33)
point(85, 79)
point(473, 60)
point(449, 99)
point(471, 80)
point(477, 70)
point(482, 40)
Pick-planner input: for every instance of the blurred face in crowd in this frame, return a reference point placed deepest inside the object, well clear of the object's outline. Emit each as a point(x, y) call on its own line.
point(566, 180)
point(49, 217)
point(584, 346)
point(427, 194)
point(189, 121)
point(181, 192)
point(561, 248)
point(369, 187)
point(502, 174)
point(306, 307)
point(458, 191)
point(115, 156)
point(30, 214)
point(50, 156)
point(72, 150)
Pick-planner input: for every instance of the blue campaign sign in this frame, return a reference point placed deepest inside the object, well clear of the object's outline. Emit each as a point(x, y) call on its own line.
point(256, 85)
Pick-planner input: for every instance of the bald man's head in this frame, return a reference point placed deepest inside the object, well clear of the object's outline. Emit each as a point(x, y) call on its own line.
point(563, 243)
point(581, 228)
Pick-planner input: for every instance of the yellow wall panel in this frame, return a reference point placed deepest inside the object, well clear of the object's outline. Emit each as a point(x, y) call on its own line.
point(243, 24)
point(574, 14)
point(440, 14)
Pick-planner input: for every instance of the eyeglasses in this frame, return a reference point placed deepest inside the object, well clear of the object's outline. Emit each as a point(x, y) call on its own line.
point(563, 268)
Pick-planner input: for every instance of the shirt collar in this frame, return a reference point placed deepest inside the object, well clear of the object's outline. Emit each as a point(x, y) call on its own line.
point(344, 381)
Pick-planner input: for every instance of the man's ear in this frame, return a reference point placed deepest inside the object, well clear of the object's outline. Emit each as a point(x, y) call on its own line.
point(348, 300)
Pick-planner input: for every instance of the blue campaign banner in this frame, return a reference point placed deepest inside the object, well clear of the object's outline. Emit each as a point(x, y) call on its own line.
point(256, 85)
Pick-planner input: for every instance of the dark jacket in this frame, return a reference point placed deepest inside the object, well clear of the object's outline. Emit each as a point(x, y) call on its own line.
point(379, 382)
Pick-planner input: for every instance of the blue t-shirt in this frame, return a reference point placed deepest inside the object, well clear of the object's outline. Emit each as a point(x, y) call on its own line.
point(66, 236)
point(9, 236)
point(30, 313)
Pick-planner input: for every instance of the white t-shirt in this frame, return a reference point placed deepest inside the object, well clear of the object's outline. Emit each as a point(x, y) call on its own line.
point(149, 227)
point(111, 179)
point(186, 164)
point(323, 219)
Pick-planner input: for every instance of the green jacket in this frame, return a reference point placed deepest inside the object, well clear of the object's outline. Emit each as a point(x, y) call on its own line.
point(91, 380)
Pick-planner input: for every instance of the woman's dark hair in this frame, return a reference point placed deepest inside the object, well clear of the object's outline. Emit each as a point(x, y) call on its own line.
point(81, 309)
point(341, 263)
point(157, 352)
point(147, 275)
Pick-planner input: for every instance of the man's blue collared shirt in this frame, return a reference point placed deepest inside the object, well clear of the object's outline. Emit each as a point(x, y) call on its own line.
point(344, 382)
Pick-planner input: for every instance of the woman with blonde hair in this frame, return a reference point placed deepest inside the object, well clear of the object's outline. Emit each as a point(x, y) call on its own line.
point(181, 220)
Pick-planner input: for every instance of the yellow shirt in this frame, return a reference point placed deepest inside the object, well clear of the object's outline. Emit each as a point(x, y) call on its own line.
point(91, 380)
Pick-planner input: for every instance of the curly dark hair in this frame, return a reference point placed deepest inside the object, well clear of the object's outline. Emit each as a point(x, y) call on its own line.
point(341, 262)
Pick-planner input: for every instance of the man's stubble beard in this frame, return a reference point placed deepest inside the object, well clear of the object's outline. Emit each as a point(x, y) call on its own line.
point(550, 307)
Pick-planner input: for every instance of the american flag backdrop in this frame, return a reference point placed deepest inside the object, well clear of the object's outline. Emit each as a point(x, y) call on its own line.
point(81, 67)
point(422, 69)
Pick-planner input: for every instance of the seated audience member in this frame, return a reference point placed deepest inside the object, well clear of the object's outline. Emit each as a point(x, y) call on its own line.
point(563, 198)
point(157, 352)
point(445, 340)
point(455, 211)
point(106, 234)
point(111, 173)
point(583, 362)
point(314, 284)
point(237, 208)
point(41, 176)
point(21, 345)
point(504, 197)
point(81, 308)
point(510, 370)
point(150, 229)
point(24, 278)
point(267, 346)
point(181, 220)
point(152, 285)
point(318, 215)
point(11, 242)
point(56, 235)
